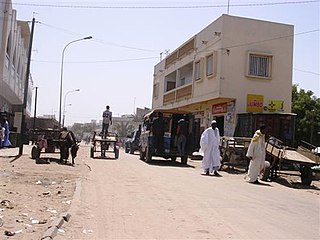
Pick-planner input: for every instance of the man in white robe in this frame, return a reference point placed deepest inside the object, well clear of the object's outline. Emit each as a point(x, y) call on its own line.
point(209, 143)
point(257, 155)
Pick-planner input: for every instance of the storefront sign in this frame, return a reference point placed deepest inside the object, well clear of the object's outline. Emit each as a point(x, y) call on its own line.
point(254, 103)
point(275, 106)
point(219, 108)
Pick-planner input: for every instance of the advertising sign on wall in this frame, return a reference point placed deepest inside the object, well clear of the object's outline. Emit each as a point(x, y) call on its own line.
point(275, 106)
point(230, 119)
point(219, 108)
point(254, 103)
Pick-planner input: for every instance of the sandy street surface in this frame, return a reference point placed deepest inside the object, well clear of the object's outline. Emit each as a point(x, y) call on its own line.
point(33, 195)
point(130, 199)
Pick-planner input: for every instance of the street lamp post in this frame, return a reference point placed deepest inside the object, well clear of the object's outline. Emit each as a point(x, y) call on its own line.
point(61, 76)
point(64, 104)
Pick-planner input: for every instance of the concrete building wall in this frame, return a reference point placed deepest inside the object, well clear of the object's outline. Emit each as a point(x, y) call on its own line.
point(250, 64)
point(240, 37)
point(13, 59)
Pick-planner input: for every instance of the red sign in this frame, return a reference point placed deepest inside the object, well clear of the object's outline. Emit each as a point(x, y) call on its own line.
point(219, 108)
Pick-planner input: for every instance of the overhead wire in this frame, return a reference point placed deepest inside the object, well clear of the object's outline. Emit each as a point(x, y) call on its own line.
point(270, 39)
point(100, 40)
point(102, 61)
point(305, 71)
point(160, 7)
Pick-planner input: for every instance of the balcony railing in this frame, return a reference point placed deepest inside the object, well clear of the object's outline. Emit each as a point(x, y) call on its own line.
point(179, 94)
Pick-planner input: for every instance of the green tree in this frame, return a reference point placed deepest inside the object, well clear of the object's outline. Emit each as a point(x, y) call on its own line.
point(307, 108)
point(123, 129)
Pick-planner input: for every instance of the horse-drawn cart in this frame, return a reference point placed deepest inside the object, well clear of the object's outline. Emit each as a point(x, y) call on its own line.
point(104, 144)
point(51, 139)
point(47, 139)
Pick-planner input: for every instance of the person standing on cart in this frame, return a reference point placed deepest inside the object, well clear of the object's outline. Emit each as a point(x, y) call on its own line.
point(106, 121)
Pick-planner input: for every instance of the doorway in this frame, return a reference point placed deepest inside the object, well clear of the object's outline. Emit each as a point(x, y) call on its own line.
point(220, 124)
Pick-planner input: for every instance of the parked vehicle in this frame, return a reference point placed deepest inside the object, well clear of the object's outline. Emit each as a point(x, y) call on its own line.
point(127, 143)
point(132, 143)
point(170, 151)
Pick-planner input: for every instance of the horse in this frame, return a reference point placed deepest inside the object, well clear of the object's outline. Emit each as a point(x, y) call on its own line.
point(67, 141)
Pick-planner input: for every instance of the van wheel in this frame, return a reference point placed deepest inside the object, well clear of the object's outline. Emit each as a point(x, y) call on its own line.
point(148, 155)
point(306, 175)
point(35, 152)
point(184, 160)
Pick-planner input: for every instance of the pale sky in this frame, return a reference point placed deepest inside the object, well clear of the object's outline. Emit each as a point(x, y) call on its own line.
point(116, 67)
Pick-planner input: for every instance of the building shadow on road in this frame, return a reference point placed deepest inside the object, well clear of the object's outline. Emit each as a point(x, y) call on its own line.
point(168, 163)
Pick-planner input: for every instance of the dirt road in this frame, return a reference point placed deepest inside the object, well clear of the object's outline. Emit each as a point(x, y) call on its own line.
point(129, 199)
point(33, 195)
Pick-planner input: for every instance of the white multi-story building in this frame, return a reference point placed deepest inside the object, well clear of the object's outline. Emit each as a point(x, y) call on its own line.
point(14, 44)
point(235, 65)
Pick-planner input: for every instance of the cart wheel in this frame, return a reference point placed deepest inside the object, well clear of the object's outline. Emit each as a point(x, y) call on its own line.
point(142, 154)
point(148, 155)
point(184, 160)
point(92, 152)
point(173, 159)
point(126, 149)
point(116, 153)
point(35, 153)
point(306, 175)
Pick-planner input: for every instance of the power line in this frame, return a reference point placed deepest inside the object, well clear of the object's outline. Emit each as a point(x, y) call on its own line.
point(103, 61)
point(271, 39)
point(100, 40)
point(161, 7)
point(305, 71)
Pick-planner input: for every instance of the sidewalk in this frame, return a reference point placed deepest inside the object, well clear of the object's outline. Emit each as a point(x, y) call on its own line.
point(33, 195)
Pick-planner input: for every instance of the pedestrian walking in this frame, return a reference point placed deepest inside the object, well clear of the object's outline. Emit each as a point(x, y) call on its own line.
point(257, 155)
point(182, 133)
point(209, 143)
point(6, 139)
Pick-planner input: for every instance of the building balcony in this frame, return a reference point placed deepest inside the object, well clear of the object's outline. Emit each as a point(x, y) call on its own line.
point(179, 94)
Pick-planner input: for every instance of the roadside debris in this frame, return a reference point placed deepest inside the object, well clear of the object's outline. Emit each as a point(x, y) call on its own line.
point(7, 204)
point(9, 233)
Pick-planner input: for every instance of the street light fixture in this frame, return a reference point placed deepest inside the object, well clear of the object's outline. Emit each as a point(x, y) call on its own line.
point(64, 103)
point(60, 101)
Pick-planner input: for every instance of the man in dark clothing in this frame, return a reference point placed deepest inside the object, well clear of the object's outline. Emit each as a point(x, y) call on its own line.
point(158, 125)
point(182, 133)
point(106, 121)
point(68, 142)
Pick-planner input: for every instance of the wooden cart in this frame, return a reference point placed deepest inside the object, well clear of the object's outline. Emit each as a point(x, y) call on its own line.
point(278, 154)
point(233, 151)
point(45, 139)
point(104, 144)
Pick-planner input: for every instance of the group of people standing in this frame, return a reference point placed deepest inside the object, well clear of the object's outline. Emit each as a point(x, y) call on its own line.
point(4, 133)
point(211, 162)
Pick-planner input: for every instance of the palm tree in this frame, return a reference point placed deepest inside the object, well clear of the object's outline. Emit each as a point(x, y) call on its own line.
point(123, 129)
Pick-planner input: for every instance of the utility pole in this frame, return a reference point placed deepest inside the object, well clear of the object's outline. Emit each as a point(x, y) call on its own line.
point(25, 94)
point(35, 109)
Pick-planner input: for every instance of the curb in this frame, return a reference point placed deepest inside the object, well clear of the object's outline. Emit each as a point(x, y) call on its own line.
point(55, 225)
